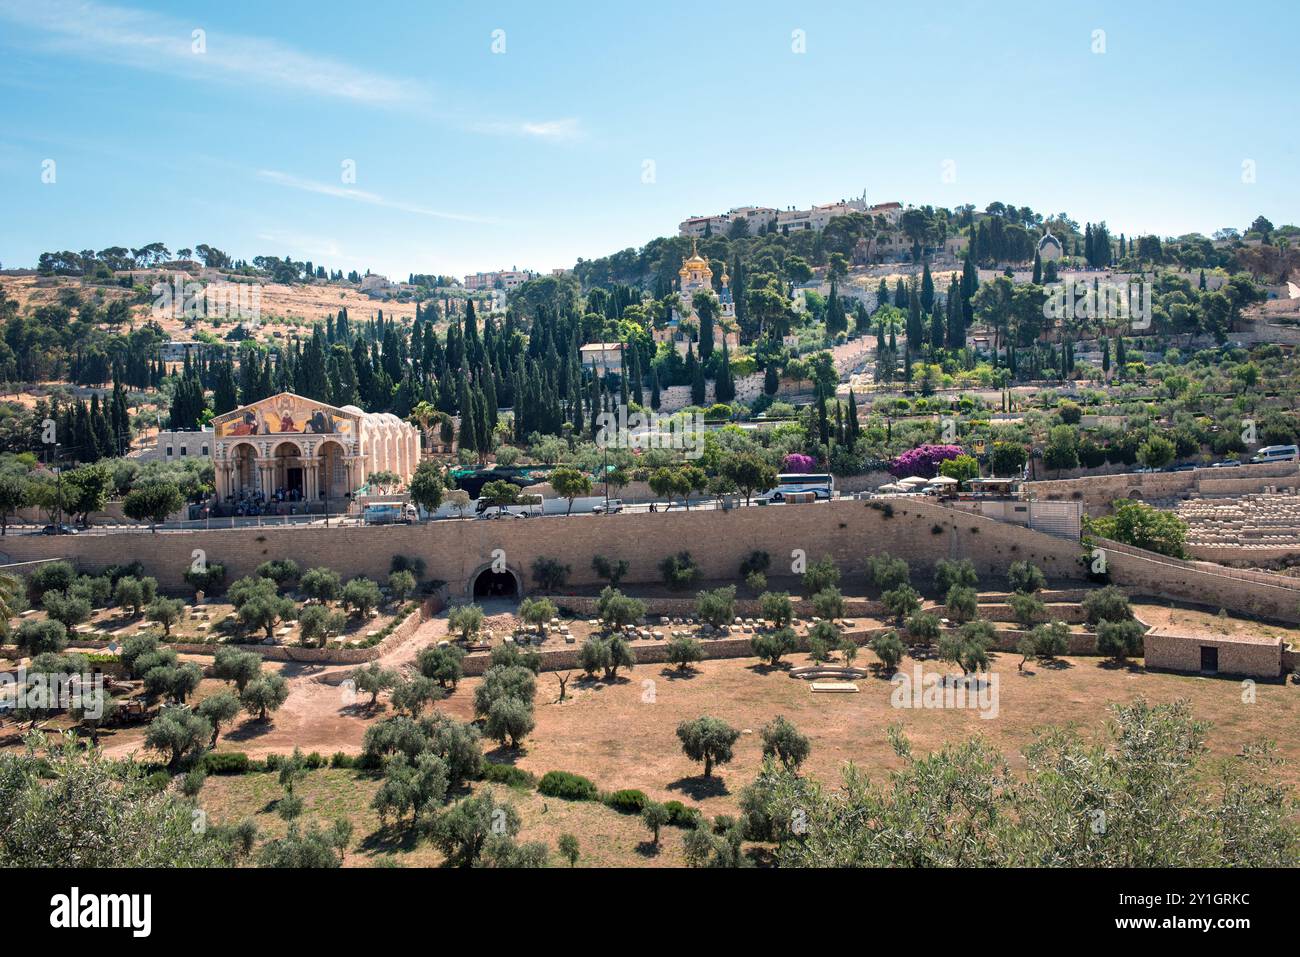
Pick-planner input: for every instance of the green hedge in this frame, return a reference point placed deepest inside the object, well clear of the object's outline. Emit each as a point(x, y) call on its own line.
point(508, 775)
point(626, 801)
point(570, 787)
point(226, 762)
point(679, 815)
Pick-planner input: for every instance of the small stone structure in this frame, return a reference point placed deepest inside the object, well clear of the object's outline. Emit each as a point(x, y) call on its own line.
point(1244, 655)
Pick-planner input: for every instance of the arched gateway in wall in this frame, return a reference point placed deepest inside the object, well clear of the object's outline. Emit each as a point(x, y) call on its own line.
point(492, 581)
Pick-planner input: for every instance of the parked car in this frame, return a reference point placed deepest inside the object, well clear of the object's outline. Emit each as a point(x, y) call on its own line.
point(62, 529)
point(615, 505)
point(1226, 464)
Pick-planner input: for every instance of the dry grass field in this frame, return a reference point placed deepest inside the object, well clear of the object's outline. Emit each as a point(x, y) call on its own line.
point(309, 304)
point(622, 735)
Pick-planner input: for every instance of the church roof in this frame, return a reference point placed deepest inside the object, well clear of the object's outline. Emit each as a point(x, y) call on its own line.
point(694, 262)
point(1047, 239)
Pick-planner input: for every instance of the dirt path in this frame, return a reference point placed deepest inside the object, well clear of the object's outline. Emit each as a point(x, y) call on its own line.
point(320, 714)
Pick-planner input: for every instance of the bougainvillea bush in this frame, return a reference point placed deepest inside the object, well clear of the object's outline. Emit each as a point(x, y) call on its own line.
point(923, 460)
point(795, 462)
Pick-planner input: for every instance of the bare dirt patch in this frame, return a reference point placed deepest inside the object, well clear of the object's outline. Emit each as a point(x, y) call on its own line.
point(1190, 621)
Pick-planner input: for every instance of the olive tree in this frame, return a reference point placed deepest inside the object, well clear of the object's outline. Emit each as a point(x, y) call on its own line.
point(264, 695)
point(178, 733)
point(683, 651)
point(709, 740)
point(717, 607)
point(361, 595)
point(771, 646)
point(165, 612)
point(889, 649)
point(466, 619)
point(218, 709)
point(784, 742)
point(372, 679)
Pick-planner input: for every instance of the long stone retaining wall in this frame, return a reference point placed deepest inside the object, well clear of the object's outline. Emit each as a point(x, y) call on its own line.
point(1247, 591)
point(1098, 491)
point(847, 530)
point(584, 606)
point(457, 552)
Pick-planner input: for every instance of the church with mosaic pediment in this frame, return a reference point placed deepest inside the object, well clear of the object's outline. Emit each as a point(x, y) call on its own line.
point(290, 446)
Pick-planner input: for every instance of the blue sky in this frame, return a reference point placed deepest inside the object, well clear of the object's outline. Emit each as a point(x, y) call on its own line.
point(470, 159)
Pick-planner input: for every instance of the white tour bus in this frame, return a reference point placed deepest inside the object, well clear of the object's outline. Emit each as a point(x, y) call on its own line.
point(820, 484)
point(1277, 453)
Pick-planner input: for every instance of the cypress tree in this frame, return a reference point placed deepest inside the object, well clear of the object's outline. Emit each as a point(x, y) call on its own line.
point(466, 438)
point(956, 325)
point(970, 284)
point(704, 310)
point(915, 327)
point(836, 320)
point(725, 386)
point(927, 288)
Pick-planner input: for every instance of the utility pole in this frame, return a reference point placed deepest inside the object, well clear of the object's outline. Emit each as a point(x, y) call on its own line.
point(58, 481)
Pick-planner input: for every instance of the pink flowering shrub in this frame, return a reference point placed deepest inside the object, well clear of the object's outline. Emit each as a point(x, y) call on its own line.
point(794, 462)
point(923, 460)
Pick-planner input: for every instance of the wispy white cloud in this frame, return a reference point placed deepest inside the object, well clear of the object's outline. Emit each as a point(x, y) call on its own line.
point(319, 247)
point(556, 130)
point(148, 41)
point(364, 196)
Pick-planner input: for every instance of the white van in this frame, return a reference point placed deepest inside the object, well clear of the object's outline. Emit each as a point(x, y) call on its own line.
point(1277, 453)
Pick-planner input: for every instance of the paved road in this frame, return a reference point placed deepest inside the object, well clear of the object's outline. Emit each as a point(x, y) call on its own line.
point(336, 521)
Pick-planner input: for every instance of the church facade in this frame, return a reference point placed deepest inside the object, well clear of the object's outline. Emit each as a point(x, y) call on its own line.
point(289, 447)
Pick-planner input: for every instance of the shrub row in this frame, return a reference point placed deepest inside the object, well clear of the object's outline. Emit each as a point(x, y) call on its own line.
point(575, 787)
point(237, 762)
point(570, 787)
point(508, 775)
